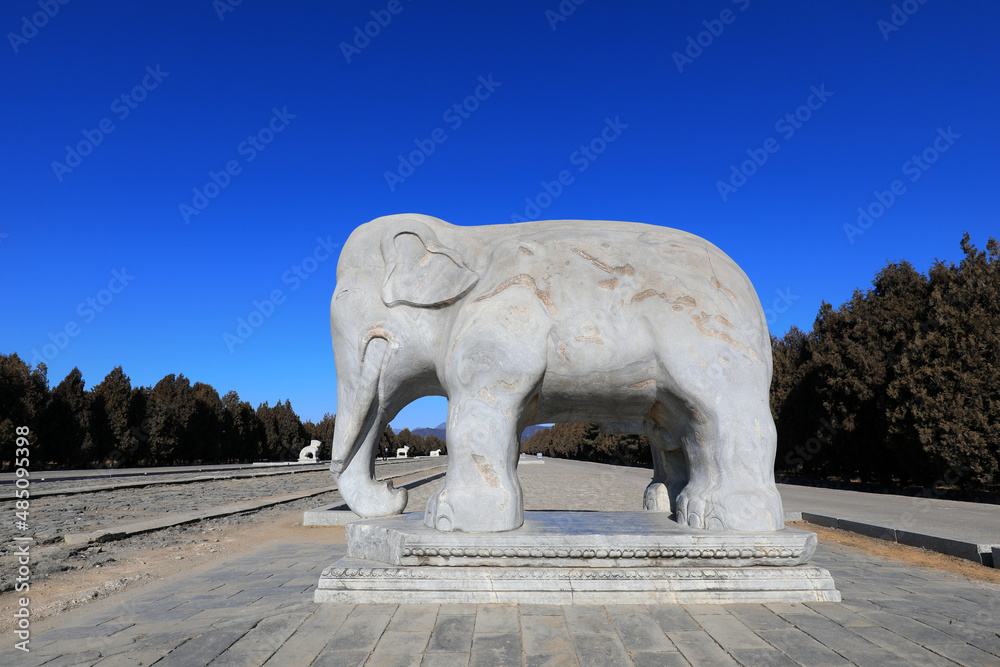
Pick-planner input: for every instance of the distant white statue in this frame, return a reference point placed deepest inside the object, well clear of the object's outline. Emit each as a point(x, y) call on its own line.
point(310, 453)
point(402, 451)
point(436, 452)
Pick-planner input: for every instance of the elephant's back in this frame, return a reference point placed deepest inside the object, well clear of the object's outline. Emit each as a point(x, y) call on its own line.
point(598, 277)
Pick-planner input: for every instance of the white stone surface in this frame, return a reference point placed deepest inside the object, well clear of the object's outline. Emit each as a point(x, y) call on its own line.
point(637, 327)
point(355, 581)
point(576, 539)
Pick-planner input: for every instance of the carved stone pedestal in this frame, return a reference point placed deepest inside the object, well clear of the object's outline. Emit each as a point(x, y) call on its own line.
point(573, 557)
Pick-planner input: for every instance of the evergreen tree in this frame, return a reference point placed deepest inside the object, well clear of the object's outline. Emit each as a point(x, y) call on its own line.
point(207, 423)
point(170, 410)
point(64, 433)
point(24, 393)
point(109, 418)
point(947, 394)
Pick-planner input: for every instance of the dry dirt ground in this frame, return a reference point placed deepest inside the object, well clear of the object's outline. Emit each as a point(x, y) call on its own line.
point(75, 587)
point(901, 552)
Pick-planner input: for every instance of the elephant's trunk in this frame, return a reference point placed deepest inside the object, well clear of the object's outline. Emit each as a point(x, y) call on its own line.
point(356, 437)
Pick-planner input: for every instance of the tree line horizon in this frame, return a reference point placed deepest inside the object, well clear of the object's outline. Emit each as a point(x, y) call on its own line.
point(898, 385)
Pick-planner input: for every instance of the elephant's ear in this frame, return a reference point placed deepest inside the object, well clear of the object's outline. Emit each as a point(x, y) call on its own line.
point(419, 272)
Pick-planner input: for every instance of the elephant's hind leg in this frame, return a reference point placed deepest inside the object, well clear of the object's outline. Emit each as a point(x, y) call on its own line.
point(730, 448)
point(670, 474)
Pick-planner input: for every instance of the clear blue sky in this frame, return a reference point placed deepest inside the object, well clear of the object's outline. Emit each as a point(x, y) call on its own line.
point(201, 91)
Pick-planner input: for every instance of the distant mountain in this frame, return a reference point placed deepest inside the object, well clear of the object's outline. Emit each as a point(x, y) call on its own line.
point(439, 431)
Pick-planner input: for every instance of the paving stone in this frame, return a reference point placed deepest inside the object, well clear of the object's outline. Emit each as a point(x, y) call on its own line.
point(551, 660)
point(912, 629)
point(802, 648)
point(900, 646)
point(341, 659)
point(497, 619)
point(263, 640)
point(545, 635)
point(146, 655)
point(89, 658)
point(495, 649)
point(639, 632)
point(445, 660)
point(84, 632)
point(658, 659)
point(359, 631)
point(673, 618)
point(455, 609)
point(762, 657)
point(585, 618)
point(593, 648)
point(413, 617)
point(705, 609)
point(452, 634)
point(839, 614)
point(758, 617)
point(699, 648)
point(202, 649)
point(852, 646)
point(963, 654)
point(311, 637)
point(730, 633)
point(541, 610)
point(400, 649)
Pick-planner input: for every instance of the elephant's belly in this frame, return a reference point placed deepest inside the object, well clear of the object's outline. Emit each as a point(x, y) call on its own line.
point(623, 394)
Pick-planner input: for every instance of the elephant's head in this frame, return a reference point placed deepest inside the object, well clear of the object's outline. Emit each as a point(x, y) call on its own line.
point(396, 286)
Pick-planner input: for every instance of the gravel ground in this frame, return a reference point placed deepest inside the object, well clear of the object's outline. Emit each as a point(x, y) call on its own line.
point(52, 517)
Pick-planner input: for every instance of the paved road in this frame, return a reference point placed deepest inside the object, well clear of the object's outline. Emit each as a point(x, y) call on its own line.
point(256, 608)
point(961, 520)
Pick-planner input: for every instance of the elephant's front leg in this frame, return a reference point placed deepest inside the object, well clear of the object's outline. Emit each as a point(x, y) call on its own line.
point(481, 491)
point(496, 363)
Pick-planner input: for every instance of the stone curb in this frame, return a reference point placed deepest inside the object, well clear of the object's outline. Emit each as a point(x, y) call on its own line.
point(188, 480)
point(157, 482)
point(170, 520)
point(983, 554)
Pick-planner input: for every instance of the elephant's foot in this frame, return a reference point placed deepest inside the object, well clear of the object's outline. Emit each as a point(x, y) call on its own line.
point(657, 498)
point(720, 507)
point(475, 509)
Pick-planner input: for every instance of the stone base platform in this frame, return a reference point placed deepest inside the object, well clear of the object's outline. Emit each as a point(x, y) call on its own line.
point(573, 558)
point(356, 581)
point(576, 539)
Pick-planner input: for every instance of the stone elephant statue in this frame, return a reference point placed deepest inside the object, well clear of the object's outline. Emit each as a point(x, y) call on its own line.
point(641, 328)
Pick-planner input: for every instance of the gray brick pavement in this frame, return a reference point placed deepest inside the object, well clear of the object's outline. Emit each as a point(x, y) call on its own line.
point(256, 609)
